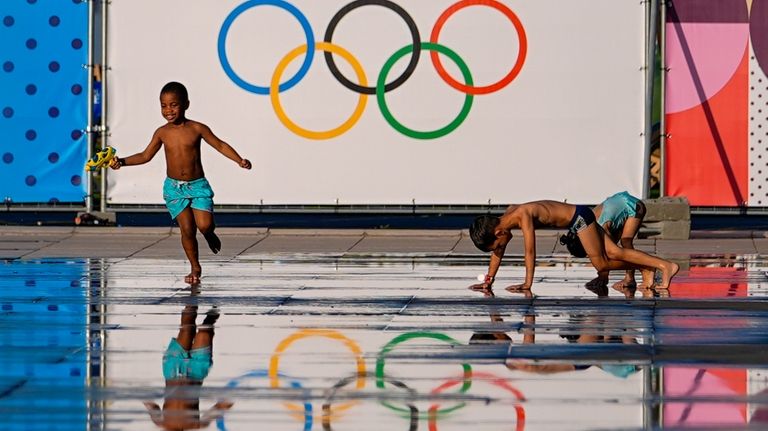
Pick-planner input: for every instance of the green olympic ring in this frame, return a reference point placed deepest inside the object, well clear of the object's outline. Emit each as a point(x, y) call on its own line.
point(381, 380)
point(381, 83)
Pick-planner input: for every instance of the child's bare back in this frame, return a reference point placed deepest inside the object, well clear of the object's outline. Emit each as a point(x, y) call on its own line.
point(544, 213)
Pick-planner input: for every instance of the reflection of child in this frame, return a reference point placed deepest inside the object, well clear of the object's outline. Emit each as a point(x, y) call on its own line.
point(186, 191)
point(579, 336)
point(186, 363)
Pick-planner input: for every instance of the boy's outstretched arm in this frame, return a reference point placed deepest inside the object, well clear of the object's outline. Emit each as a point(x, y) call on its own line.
point(154, 412)
point(223, 147)
point(493, 268)
point(215, 412)
point(139, 158)
point(529, 244)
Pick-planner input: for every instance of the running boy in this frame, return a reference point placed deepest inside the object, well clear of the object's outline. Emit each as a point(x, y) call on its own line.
point(186, 191)
point(491, 233)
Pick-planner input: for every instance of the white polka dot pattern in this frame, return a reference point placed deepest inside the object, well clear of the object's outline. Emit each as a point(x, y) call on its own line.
point(758, 133)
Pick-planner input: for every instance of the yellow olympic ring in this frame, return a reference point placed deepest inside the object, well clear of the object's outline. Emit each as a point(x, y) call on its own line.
point(274, 379)
point(274, 92)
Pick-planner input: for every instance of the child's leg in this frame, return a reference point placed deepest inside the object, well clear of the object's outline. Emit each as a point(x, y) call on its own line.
point(593, 241)
point(187, 329)
point(628, 234)
point(204, 337)
point(639, 259)
point(186, 221)
point(604, 256)
point(205, 223)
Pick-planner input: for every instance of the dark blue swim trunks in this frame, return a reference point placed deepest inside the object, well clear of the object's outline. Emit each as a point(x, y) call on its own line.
point(582, 217)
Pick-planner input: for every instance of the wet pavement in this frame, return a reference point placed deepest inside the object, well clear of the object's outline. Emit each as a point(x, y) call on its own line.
point(352, 330)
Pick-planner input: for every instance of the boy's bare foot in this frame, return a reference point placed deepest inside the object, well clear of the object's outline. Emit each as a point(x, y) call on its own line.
point(213, 242)
point(600, 290)
point(211, 316)
point(597, 283)
point(669, 269)
point(598, 286)
point(648, 278)
point(518, 288)
point(647, 292)
point(624, 284)
point(482, 288)
point(194, 276)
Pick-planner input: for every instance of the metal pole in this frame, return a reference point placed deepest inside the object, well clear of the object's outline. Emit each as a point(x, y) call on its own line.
point(663, 120)
point(89, 127)
point(650, 56)
point(104, 79)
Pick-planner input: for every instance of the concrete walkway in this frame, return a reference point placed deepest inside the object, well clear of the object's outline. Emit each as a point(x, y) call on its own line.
point(149, 242)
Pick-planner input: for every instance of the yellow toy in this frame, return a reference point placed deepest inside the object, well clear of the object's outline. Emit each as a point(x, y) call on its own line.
point(101, 159)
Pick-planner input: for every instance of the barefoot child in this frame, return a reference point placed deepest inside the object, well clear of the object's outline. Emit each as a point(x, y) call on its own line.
point(186, 191)
point(491, 233)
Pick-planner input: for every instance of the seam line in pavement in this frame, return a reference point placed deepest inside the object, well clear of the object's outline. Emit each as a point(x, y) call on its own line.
point(166, 236)
point(72, 234)
point(362, 237)
point(269, 233)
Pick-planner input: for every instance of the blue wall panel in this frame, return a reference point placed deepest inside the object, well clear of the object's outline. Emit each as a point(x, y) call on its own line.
point(43, 100)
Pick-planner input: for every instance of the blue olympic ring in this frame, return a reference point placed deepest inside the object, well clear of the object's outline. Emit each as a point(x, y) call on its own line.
point(265, 374)
point(222, 44)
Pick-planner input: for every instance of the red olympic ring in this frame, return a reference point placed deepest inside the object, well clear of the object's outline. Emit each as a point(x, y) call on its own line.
point(490, 378)
point(521, 53)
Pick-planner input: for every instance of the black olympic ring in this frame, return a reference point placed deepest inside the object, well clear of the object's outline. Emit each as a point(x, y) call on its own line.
point(414, 54)
point(326, 418)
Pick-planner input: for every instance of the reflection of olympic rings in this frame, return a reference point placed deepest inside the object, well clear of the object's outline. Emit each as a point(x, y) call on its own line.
point(380, 383)
point(260, 374)
point(492, 379)
point(381, 86)
point(325, 333)
point(331, 394)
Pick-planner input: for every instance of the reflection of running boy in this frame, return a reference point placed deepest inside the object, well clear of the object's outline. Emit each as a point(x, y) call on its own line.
point(491, 233)
point(186, 363)
point(186, 191)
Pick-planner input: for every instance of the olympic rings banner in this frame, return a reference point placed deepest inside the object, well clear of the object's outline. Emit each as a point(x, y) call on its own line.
point(387, 102)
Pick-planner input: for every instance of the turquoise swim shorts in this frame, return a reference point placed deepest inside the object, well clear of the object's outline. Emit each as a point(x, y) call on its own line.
point(617, 209)
point(179, 363)
point(196, 194)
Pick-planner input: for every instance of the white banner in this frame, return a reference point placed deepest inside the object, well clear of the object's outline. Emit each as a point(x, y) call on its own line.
point(558, 112)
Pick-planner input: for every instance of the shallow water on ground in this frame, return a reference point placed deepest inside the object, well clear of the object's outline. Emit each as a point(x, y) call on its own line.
point(379, 342)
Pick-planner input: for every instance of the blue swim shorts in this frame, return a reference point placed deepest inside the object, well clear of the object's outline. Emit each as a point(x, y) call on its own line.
point(196, 194)
point(617, 209)
point(582, 217)
point(179, 363)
